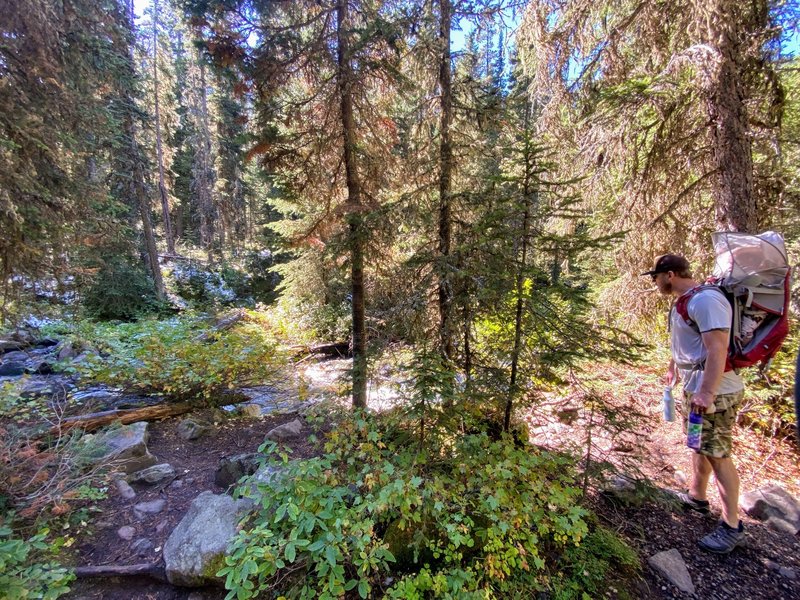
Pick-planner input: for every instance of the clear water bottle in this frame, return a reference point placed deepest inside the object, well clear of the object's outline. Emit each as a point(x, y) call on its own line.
point(669, 404)
point(695, 428)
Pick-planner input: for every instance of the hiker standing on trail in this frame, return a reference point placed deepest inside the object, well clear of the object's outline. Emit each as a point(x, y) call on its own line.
point(699, 352)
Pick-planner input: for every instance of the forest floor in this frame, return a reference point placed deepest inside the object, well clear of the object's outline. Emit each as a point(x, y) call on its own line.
point(653, 451)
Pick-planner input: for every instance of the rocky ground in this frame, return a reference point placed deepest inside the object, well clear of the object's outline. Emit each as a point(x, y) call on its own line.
point(134, 521)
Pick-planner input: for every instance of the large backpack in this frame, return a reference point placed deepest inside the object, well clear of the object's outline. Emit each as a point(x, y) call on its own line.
point(753, 273)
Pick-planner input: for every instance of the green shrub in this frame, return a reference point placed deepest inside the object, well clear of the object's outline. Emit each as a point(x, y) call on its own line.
point(478, 518)
point(120, 291)
point(23, 575)
point(166, 357)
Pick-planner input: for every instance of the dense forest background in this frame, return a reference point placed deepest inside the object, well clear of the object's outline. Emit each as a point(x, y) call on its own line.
point(473, 185)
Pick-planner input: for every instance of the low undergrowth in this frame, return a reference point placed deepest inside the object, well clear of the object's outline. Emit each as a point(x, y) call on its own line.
point(169, 357)
point(377, 517)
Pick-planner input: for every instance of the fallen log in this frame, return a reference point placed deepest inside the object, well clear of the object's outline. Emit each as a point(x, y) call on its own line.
point(222, 325)
point(154, 571)
point(93, 421)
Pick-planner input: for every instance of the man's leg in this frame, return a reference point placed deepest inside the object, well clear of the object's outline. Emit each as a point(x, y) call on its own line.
point(701, 473)
point(728, 485)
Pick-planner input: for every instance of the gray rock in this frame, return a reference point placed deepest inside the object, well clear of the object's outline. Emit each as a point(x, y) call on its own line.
point(67, 351)
point(54, 387)
point(286, 431)
point(125, 490)
point(12, 368)
point(778, 524)
point(123, 447)
point(15, 356)
point(788, 572)
point(772, 502)
point(670, 565)
point(189, 429)
point(153, 507)
point(39, 367)
point(153, 474)
point(176, 485)
point(126, 532)
point(142, 547)
point(232, 468)
point(161, 526)
point(196, 549)
point(252, 411)
point(100, 397)
point(7, 345)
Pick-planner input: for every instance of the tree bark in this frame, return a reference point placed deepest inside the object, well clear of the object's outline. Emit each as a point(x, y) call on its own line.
point(162, 186)
point(355, 216)
point(735, 207)
point(446, 333)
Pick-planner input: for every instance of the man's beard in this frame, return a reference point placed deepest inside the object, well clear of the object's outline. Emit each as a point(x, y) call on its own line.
point(665, 288)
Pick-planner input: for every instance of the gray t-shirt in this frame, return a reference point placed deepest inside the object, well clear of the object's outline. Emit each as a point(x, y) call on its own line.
point(710, 310)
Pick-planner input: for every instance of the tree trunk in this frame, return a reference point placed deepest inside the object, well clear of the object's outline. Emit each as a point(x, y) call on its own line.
point(162, 186)
point(527, 194)
point(446, 332)
point(732, 155)
point(355, 216)
point(202, 174)
point(138, 190)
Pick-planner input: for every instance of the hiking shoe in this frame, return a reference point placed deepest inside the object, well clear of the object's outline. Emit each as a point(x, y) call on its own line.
point(723, 539)
point(700, 506)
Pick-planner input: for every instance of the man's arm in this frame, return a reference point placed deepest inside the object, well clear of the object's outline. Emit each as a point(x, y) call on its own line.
point(716, 343)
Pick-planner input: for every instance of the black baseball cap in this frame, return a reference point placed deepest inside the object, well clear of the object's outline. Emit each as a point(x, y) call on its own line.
point(668, 262)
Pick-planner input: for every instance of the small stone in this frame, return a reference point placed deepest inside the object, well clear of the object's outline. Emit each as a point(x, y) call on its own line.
point(67, 351)
point(125, 490)
point(771, 565)
point(161, 525)
point(196, 596)
point(142, 547)
point(778, 524)
point(252, 411)
point(153, 474)
point(788, 572)
point(285, 431)
point(152, 507)
point(176, 485)
point(190, 429)
point(126, 532)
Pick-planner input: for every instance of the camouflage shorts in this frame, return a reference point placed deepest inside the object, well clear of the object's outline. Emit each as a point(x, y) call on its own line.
point(715, 441)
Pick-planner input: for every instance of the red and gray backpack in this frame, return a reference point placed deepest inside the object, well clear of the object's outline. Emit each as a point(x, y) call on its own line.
point(753, 273)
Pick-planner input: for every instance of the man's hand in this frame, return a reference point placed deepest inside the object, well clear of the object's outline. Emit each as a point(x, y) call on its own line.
point(671, 376)
point(703, 399)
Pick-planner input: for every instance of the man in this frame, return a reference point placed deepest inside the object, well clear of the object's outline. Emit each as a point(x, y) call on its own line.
point(699, 352)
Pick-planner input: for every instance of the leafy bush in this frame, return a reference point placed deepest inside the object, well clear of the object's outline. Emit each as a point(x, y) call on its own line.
point(121, 291)
point(166, 357)
point(479, 518)
point(22, 575)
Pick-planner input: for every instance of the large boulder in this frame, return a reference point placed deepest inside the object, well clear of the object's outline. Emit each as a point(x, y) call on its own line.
point(123, 447)
point(774, 505)
point(196, 549)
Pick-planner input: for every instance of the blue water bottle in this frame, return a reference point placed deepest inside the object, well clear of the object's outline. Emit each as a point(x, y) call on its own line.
point(669, 404)
point(695, 428)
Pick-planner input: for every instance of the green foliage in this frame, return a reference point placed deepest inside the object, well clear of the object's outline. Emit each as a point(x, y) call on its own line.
point(590, 568)
point(121, 291)
point(167, 357)
point(23, 572)
point(475, 518)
